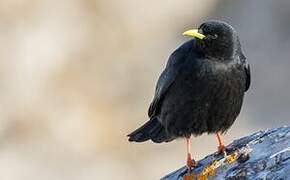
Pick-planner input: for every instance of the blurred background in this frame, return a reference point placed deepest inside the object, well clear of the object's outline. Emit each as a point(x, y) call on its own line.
point(77, 76)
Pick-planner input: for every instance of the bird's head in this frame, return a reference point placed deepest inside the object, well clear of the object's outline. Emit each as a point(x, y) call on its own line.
point(215, 39)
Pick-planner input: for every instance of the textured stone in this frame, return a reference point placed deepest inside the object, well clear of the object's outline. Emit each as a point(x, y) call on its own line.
point(262, 155)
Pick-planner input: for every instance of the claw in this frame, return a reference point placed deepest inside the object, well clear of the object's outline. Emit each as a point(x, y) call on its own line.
point(207, 171)
point(210, 169)
point(222, 149)
point(190, 163)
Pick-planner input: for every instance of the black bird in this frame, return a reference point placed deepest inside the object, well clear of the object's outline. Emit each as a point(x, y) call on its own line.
point(201, 89)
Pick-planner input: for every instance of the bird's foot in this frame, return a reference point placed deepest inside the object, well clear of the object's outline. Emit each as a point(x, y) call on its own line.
point(222, 150)
point(225, 150)
point(232, 155)
point(188, 171)
point(190, 163)
point(207, 171)
point(188, 175)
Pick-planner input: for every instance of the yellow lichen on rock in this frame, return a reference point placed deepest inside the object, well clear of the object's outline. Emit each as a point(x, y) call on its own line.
point(210, 169)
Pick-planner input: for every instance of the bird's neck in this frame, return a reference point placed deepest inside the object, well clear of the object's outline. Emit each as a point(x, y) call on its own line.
point(218, 53)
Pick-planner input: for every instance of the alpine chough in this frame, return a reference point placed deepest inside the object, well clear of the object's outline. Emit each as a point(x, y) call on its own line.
point(201, 89)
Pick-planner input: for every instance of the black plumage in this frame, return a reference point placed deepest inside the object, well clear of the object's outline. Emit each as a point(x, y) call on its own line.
point(201, 89)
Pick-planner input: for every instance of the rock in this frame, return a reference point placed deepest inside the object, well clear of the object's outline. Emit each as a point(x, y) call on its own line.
point(262, 155)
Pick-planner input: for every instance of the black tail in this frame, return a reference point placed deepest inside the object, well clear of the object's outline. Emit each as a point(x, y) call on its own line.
point(153, 130)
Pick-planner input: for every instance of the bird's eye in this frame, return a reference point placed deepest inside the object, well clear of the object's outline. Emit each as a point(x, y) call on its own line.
point(213, 36)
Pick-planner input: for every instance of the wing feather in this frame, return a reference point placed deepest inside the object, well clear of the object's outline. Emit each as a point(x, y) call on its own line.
point(168, 76)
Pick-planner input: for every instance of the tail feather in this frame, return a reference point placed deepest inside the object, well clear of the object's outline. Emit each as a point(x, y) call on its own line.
point(153, 130)
point(161, 136)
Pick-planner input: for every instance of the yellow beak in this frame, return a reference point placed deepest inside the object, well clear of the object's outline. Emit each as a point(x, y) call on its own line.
point(193, 33)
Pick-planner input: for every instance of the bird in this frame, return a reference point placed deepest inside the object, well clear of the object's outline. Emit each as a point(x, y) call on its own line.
point(201, 89)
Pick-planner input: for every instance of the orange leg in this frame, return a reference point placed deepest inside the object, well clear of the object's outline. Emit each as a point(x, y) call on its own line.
point(190, 163)
point(221, 147)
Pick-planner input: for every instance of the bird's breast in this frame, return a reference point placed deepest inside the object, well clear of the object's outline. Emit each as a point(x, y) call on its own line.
point(204, 98)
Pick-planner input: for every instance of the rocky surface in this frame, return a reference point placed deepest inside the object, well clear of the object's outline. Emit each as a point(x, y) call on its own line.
point(262, 155)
